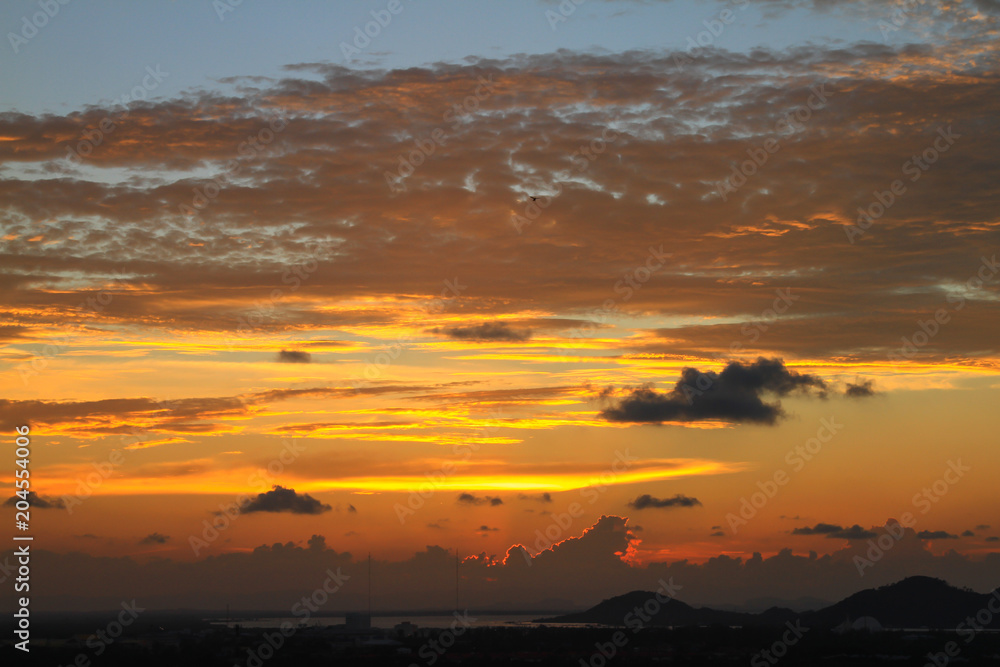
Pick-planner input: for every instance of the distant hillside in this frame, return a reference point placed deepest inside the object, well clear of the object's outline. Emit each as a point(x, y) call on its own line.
point(914, 602)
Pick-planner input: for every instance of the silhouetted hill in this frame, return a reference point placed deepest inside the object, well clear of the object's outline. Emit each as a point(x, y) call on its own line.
point(914, 602)
point(621, 609)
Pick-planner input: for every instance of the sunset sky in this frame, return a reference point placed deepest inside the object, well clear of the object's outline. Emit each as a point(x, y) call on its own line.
point(254, 257)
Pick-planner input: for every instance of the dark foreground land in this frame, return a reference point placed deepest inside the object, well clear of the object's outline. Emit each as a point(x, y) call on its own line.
point(169, 642)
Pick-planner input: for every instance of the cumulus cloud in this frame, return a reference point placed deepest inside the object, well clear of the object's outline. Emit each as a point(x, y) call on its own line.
point(732, 395)
point(37, 501)
point(294, 357)
point(280, 499)
point(646, 501)
point(861, 389)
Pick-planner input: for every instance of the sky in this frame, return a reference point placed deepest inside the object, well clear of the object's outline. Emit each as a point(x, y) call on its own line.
point(579, 295)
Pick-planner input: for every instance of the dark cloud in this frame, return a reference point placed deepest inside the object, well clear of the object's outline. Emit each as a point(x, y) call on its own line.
point(539, 497)
point(968, 533)
point(439, 524)
point(646, 501)
point(993, 538)
point(818, 529)
point(732, 395)
point(485, 332)
point(37, 502)
point(294, 357)
point(936, 535)
point(486, 529)
point(718, 533)
point(855, 532)
point(280, 499)
point(155, 538)
point(983, 526)
point(861, 389)
point(469, 499)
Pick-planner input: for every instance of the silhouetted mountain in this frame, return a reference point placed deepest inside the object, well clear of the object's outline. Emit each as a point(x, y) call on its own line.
point(622, 609)
point(914, 602)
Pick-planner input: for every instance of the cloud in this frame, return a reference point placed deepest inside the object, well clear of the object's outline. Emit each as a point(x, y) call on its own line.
point(469, 499)
point(486, 331)
point(968, 533)
point(718, 533)
point(439, 524)
point(155, 538)
point(539, 497)
point(855, 532)
point(486, 529)
point(646, 501)
point(834, 531)
point(732, 395)
point(993, 538)
point(983, 526)
point(936, 535)
point(280, 499)
point(860, 390)
point(37, 502)
point(818, 529)
point(583, 569)
point(294, 357)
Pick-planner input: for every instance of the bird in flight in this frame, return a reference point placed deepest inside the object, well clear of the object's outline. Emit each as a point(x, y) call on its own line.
point(534, 199)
